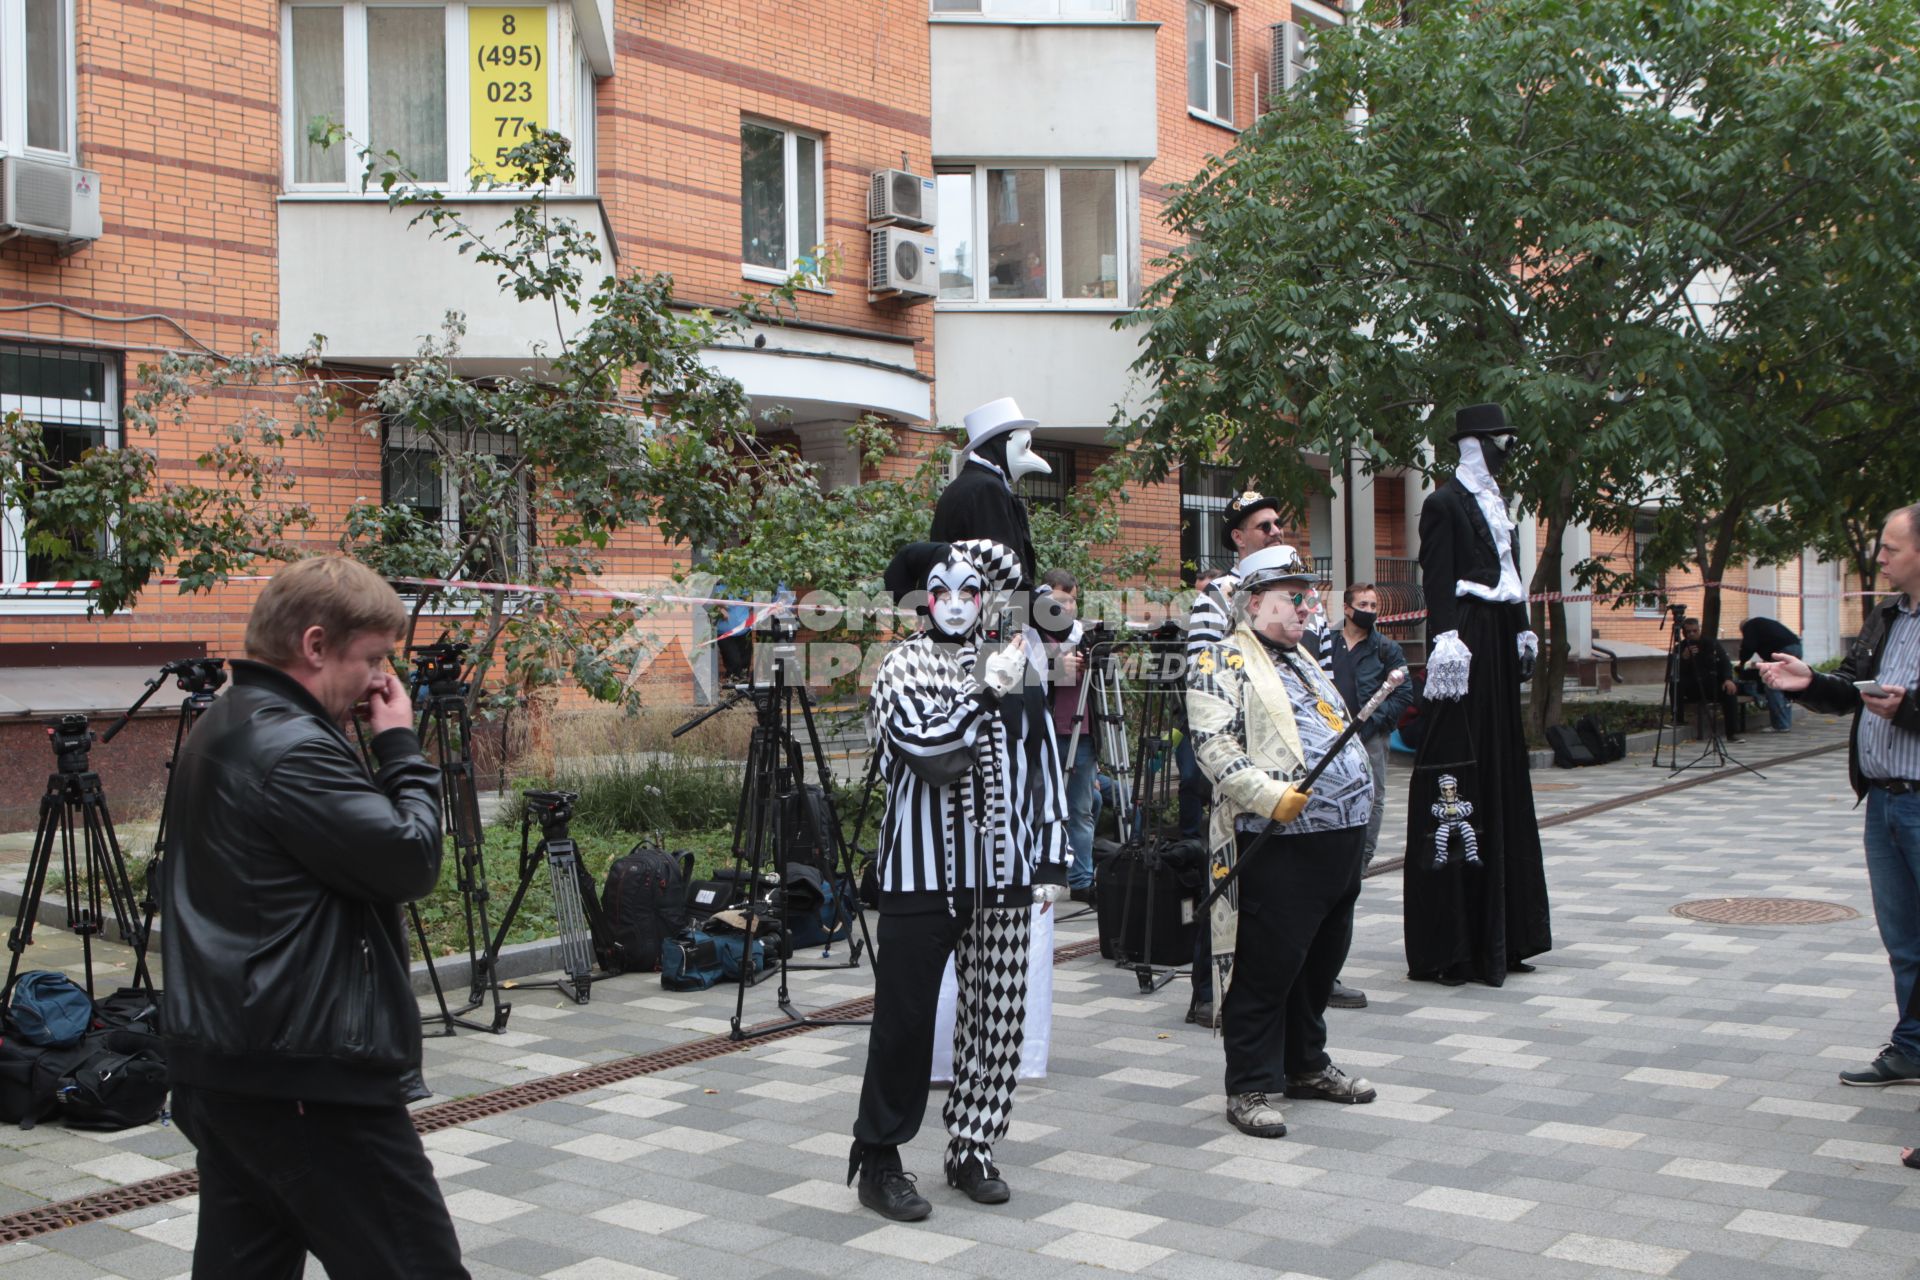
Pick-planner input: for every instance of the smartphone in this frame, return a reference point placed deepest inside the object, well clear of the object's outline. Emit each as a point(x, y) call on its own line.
point(1875, 688)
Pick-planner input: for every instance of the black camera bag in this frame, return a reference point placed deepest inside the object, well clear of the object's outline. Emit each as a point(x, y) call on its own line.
point(645, 903)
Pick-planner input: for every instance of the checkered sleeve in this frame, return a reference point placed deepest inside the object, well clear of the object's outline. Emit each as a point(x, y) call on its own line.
point(1216, 692)
point(932, 723)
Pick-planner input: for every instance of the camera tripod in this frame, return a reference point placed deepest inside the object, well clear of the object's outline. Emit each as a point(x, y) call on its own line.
point(576, 911)
point(1155, 789)
point(439, 696)
point(1714, 753)
point(1101, 684)
point(774, 801)
point(200, 679)
point(74, 821)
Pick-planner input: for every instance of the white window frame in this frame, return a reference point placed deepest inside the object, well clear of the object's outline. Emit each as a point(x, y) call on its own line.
point(13, 85)
point(13, 552)
point(1212, 112)
point(560, 111)
point(799, 244)
point(1123, 239)
point(1032, 10)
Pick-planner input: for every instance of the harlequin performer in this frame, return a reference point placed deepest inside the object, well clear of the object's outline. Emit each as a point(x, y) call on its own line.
point(1468, 919)
point(958, 877)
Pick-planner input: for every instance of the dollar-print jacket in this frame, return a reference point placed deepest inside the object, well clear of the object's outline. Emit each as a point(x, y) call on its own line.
point(1247, 741)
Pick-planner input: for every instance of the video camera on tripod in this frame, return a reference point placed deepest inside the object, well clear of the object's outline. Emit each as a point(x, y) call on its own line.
point(437, 669)
point(71, 740)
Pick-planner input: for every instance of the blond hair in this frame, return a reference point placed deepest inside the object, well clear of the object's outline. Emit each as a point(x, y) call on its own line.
point(338, 595)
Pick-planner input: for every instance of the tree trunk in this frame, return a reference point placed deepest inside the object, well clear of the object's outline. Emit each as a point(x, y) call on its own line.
point(1550, 624)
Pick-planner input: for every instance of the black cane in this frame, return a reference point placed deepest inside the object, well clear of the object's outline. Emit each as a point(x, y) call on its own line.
point(1394, 680)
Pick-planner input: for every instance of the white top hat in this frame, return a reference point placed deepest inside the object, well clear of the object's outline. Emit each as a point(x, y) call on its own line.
point(994, 418)
point(1271, 564)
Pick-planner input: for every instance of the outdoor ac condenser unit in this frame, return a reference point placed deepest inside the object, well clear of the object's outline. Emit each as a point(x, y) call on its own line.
point(1292, 57)
point(901, 198)
point(904, 265)
point(49, 201)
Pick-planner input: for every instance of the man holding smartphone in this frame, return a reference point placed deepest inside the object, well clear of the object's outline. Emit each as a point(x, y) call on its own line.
point(1879, 681)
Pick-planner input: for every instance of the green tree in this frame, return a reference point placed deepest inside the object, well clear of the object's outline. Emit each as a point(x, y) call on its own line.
point(1638, 225)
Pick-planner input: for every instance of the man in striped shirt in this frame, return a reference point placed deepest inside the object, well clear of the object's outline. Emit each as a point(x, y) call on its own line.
point(1879, 682)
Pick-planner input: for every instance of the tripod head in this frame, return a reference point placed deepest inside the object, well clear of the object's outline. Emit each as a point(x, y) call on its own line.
point(198, 678)
point(553, 810)
point(71, 740)
point(437, 670)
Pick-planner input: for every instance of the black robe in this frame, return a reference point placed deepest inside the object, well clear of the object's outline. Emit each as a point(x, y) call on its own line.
point(1463, 920)
point(978, 503)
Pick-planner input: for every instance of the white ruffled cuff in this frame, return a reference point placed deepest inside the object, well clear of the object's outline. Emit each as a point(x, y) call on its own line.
point(1529, 644)
point(1447, 666)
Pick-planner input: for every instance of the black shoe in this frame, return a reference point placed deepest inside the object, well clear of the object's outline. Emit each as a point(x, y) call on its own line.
point(1346, 997)
point(976, 1176)
point(1082, 894)
point(1891, 1067)
point(891, 1194)
point(1201, 1014)
point(1520, 966)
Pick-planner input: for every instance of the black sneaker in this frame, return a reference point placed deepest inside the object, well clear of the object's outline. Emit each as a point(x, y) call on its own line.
point(1891, 1067)
point(976, 1176)
point(892, 1194)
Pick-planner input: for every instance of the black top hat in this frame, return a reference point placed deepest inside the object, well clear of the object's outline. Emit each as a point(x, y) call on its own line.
point(1480, 420)
point(1242, 506)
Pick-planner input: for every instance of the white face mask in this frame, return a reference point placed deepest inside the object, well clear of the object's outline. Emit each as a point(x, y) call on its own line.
point(953, 598)
point(1021, 459)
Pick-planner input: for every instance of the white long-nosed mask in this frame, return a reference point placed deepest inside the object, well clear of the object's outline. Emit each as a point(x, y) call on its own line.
point(1021, 459)
point(954, 591)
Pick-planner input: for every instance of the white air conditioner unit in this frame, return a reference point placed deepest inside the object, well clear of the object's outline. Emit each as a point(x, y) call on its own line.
point(49, 201)
point(905, 265)
point(1292, 58)
point(902, 198)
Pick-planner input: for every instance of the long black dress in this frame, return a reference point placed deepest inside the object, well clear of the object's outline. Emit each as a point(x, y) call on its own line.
point(1465, 920)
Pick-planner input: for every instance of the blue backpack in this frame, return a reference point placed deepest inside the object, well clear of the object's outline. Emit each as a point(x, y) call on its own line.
point(49, 1009)
point(695, 959)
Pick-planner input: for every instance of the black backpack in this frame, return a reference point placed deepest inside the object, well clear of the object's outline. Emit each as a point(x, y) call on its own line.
point(1604, 746)
point(1568, 751)
point(114, 1078)
point(645, 903)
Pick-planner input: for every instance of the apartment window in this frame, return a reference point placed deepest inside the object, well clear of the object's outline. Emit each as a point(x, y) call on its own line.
point(1646, 606)
point(1050, 491)
point(74, 398)
point(1037, 235)
point(1204, 494)
point(36, 77)
point(1210, 60)
point(1038, 8)
point(450, 89)
point(411, 476)
point(781, 221)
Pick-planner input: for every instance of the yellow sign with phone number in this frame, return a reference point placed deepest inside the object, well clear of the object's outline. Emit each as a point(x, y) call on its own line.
point(507, 82)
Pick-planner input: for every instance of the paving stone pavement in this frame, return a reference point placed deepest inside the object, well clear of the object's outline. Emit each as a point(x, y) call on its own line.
point(1658, 1099)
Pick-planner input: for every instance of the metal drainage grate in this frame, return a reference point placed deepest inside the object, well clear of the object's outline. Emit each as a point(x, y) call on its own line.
point(47, 1218)
point(1764, 911)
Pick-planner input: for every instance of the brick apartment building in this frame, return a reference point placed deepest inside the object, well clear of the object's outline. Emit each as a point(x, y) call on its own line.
point(179, 206)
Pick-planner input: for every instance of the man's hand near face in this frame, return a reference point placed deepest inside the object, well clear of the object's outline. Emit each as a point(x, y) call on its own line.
point(388, 706)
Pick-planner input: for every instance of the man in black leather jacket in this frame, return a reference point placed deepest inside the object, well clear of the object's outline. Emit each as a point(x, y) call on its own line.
point(293, 1037)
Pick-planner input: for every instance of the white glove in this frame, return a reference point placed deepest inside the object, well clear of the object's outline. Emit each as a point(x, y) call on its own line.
point(1447, 666)
point(1529, 645)
point(1047, 894)
point(1003, 671)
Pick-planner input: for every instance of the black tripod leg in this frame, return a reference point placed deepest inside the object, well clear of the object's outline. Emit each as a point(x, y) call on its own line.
point(52, 806)
point(448, 1023)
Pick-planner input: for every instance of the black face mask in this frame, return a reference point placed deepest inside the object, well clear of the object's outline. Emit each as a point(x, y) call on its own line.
point(1364, 619)
point(1496, 450)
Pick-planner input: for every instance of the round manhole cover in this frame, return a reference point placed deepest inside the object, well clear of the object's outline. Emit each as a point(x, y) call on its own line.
point(1764, 911)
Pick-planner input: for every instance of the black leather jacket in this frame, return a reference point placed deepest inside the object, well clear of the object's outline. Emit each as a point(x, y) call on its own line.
point(286, 961)
point(1833, 692)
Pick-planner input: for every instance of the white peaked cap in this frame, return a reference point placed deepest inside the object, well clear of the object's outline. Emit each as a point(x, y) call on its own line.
point(992, 419)
point(1271, 564)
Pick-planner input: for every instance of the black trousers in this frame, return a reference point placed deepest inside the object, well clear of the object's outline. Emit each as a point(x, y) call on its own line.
point(282, 1179)
point(990, 964)
point(1296, 923)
